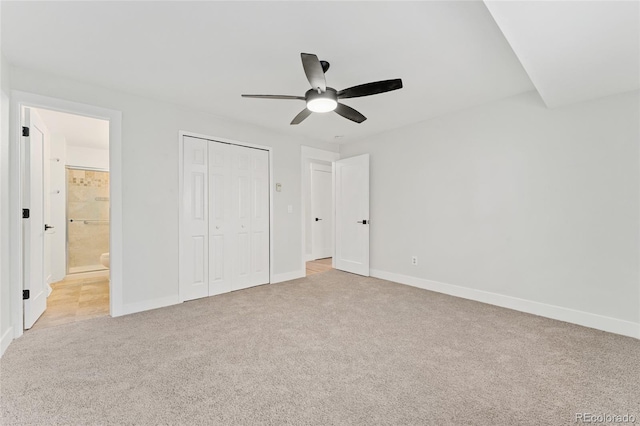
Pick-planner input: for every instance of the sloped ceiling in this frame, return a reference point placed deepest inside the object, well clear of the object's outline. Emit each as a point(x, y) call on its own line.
point(574, 50)
point(450, 55)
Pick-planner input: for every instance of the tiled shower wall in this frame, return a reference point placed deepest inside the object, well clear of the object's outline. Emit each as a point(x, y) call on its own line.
point(87, 219)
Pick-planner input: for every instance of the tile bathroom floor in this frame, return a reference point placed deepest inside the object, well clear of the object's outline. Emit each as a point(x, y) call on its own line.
point(74, 300)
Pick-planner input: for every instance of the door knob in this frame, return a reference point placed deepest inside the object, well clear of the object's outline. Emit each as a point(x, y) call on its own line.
point(317, 219)
point(47, 227)
point(363, 221)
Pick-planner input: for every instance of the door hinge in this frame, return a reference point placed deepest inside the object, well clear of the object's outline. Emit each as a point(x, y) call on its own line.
point(25, 131)
point(25, 213)
point(25, 294)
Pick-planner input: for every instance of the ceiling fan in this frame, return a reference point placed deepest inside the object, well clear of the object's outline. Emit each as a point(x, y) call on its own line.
point(321, 98)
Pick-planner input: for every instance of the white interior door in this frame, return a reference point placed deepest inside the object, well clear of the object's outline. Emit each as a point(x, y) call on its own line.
point(34, 232)
point(194, 238)
point(321, 211)
point(352, 214)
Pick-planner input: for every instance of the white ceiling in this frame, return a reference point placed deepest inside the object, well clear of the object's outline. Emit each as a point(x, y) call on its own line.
point(78, 130)
point(451, 55)
point(574, 50)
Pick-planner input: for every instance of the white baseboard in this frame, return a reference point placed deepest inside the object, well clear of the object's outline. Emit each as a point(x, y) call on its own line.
point(6, 340)
point(147, 305)
point(600, 322)
point(288, 276)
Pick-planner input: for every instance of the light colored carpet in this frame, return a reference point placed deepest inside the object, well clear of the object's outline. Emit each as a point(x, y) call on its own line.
point(332, 348)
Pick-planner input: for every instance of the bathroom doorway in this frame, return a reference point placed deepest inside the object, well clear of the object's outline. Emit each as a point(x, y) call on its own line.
point(76, 212)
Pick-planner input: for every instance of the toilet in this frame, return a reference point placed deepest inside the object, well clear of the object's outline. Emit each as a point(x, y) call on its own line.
point(104, 259)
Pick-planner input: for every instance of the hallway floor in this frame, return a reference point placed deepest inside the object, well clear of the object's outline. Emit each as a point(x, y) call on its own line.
point(317, 266)
point(75, 300)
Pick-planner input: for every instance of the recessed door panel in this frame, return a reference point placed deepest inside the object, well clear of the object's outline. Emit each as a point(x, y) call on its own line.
point(218, 196)
point(199, 255)
point(244, 199)
point(260, 257)
point(217, 252)
point(198, 198)
point(243, 255)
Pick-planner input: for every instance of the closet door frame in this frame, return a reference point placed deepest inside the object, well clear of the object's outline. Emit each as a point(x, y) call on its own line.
point(181, 135)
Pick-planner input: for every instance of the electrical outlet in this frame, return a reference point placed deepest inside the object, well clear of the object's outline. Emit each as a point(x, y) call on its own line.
point(414, 260)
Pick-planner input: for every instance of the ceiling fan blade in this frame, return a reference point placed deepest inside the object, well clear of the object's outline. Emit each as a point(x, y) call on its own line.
point(350, 113)
point(301, 98)
point(301, 116)
point(313, 70)
point(370, 88)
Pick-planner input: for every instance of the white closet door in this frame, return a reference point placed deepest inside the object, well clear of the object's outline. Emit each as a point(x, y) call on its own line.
point(225, 218)
point(194, 235)
point(220, 219)
point(260, 217)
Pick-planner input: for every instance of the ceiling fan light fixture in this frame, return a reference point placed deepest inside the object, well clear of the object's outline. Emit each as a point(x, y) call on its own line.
point(321, 104)
point(318, 101)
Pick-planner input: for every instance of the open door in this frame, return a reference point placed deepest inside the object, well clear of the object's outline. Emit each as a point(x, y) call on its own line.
point(352, 214)
point(33, 191)
point(321, 211)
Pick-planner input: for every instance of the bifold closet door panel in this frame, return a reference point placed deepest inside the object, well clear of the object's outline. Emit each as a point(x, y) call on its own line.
point(241, 202)
point(260, 217)
point(194, 238)
point(221, 225)
point(250, 208)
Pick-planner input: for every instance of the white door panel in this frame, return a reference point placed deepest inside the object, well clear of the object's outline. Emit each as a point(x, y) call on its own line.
point(220, 220)
point(194, 238)
point(241, 211)
point(321, 211)
point(352, 214)
point(34, 234)
point(260, 217)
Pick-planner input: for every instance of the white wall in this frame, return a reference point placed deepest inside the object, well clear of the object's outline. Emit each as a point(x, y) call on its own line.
point(6, 333)
point(515, 199)
point(150, 181)
point(80, 156)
